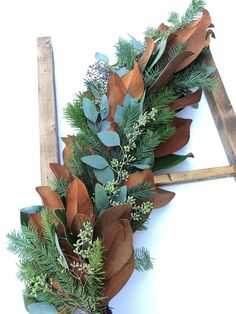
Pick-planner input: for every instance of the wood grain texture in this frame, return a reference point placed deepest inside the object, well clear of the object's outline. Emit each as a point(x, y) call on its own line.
point(49, 151)
point(223, 114)
point(195, 175)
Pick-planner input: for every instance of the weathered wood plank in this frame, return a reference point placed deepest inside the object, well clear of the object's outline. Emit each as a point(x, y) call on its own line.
point(49, 151)
point(223, 114)
point(195, 175)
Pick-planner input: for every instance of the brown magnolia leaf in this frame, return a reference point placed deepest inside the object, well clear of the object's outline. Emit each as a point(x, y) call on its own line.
point(162, 27)
point(60, 172)
point(78, 201)
point(162, 197)
point(117, 282)
point(179, 139)
point(111, 215)
point(169, 70)
point(140, 177)
point(50, 198)
point(147, 53)
point(116, 92)
point(35, 220)
point(182, 102)
point(117, 240)
point(68, 150)
point(133, 82)
point(78, 223)
point(197, 41)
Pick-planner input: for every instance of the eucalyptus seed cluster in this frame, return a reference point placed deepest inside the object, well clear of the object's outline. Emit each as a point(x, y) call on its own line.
point(138, 211)
point(36, 284)
point(99, 73)
point(84, 240)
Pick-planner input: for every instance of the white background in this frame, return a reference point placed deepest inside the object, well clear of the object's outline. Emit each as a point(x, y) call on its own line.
point(193, 239)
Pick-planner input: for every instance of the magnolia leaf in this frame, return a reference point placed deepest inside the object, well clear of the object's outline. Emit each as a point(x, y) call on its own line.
point(61, 215)
point(177, 140)
point(118, 114)
point(162, 197)
point(109, 138)
point(121, 197)
point(62, 259)
point(104, 105)
point(169, 161)
point(95, 161)
point(101, 57)
point(122, 71)
point(133, 82)
point(150, 45)
point(41, 307)
point(118, 246)
point(105, 125)
point(111, 215)
point(24, 213)
point(101, 198)
point(145, 163)
point(182, 102)
point(104, 175)
point(90, 110)
point(51, 199)
point(116, 283)
point(78, 201)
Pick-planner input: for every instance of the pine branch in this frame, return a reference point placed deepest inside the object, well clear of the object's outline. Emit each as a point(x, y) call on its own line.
point(143, 260)
point(142, 191)
point(146, 145)
point(195, 75)
point(126, 53)
point(192, 13)
point(60, 186)
point(74, 113)
point(130, 116)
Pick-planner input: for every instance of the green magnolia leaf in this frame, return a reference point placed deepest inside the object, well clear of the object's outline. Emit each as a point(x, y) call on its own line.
point(90, 110)
point(104, 107)
point(109, 138)
point(161, 48)
point(169, 161)
point(24, 218)
point(121, 197)
point(145, 163)
point(41, 308)
point(118, 114)
point(61, 215)
point(62, 260)
point(95, 161)
point(104, 175)
point(101, 198)
point(101, 57)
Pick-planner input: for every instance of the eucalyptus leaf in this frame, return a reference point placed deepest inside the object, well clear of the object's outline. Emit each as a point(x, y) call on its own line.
point(137, 44)
point(211, 70)
point(129, 100)
point(160, 50)
point(95, 161)
point(28, 300)
point(118, 114)
point(105, 125)
point(122, 71)
point(101, 57)
point(109, 138)
point(41, 308)
point(90, 110)
point(104, 105)
point(94, 91)
point(101, 198)
point(169, 161)
point(92, 126)
point(121, 197)
point(104, 175)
